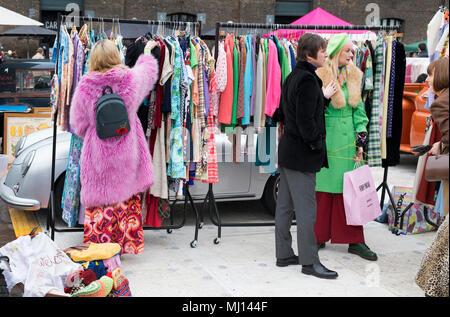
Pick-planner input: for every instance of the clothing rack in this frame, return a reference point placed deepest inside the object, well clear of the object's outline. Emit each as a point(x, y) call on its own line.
point(385, 188)
point(210, 195)
point(187, 194)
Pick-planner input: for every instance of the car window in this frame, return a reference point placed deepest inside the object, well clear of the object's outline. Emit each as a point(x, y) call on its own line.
point(35, 80)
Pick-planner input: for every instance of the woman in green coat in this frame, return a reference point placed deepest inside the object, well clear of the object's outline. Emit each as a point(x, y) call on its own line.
point(345, 123)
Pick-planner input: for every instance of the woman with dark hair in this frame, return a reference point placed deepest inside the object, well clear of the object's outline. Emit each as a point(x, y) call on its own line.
point(301, 154)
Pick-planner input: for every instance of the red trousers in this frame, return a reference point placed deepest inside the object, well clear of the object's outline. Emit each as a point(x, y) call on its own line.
point(331, 222)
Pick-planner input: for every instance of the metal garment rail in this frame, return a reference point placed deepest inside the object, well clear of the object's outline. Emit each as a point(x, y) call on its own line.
point(188, 197)
point(252, 26)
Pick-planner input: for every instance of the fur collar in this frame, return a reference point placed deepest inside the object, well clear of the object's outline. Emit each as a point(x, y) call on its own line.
point(354, 79)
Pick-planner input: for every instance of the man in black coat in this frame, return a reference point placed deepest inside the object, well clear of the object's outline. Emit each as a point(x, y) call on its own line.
point(301, 154)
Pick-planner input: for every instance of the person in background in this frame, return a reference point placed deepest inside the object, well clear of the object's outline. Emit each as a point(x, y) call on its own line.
point(346, 133)
point(421, 78)
point(39, 54)
point(301, 154)
point(433, 274)
point(422, 50)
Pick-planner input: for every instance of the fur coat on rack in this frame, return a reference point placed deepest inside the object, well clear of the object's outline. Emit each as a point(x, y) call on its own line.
point(114, 169)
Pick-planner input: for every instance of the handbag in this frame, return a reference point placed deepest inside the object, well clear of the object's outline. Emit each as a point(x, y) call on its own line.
point(436, 168)
point(412, 216)
point(361, 202)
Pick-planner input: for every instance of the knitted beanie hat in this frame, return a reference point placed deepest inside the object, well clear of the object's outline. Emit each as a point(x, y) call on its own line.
point(336, 43)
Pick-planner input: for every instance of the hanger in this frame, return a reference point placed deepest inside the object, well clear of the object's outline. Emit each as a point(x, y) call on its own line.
point(112, 35)
point(118, 27)
point(103, 29)
point(395, 34)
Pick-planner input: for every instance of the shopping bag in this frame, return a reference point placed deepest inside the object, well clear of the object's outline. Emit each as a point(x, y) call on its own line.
point(360, 197)
point(412, 221)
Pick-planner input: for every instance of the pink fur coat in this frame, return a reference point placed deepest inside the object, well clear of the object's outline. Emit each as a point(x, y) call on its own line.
point(114, 169)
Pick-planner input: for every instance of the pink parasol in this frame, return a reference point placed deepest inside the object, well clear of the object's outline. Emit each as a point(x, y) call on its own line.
point(317, 16)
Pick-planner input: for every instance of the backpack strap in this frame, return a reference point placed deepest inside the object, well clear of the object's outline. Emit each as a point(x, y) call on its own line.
point(105, 88)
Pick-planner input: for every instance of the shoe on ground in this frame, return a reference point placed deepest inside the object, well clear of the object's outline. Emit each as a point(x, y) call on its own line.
point(320, 271)
point(321, 245)
point(363, 251)
point(293, 260)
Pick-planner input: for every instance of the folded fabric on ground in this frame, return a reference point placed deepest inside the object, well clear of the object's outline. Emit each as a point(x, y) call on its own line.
point(94, 252)
point(38, 264)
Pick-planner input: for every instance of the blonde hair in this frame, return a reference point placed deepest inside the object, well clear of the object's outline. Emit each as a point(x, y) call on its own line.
point(104, 57)
point(333, 63)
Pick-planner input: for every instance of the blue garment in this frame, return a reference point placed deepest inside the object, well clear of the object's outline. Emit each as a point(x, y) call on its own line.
point(248, 80)
point(439, 207)
point(176, 167)
point(63, 51)
point(266, 147)
point(293, 61)
point(98, 267)
point(390, 112)
point(72, 184)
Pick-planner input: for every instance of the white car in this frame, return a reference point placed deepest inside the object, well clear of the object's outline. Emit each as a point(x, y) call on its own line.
point(27, 183)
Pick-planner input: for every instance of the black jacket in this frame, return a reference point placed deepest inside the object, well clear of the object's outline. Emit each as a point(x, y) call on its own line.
point(302, 111)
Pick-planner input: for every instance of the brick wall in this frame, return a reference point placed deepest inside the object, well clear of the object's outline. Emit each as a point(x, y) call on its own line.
point(252, 11)
point(415, 13)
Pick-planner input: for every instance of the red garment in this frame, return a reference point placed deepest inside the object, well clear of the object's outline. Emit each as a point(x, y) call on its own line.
point(426, 191)
point(226, 99)
point(159, 89)
point(152, 218)
point(119, 223)
point(331, 222)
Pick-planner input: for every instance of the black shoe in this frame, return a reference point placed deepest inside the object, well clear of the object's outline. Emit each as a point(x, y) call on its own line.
point(363, 251)
point(321, 245)
point(318, 270)
point(293, 260)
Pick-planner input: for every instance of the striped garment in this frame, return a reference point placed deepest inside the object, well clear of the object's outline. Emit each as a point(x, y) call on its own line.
point(374, 145)
point(201, 115)
point(390, 113)
point(123, 290)
point(213, 174)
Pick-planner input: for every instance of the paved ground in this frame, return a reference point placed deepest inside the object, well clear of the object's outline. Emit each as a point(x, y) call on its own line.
point(243, 263)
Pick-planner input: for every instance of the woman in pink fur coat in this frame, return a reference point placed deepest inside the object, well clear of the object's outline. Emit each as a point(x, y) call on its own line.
point(116, 170)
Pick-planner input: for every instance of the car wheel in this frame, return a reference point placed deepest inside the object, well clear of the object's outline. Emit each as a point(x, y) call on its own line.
point(59, 188)
point(269, 199)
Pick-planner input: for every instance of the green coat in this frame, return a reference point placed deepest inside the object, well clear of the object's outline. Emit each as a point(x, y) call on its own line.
point(341, 126)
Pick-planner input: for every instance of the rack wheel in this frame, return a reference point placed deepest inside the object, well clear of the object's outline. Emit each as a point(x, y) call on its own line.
point(216, 240)
point(200, 225)
point(169, 231)
point(194, 244)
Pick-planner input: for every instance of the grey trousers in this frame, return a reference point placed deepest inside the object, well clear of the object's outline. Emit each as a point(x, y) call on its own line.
point(296, 193)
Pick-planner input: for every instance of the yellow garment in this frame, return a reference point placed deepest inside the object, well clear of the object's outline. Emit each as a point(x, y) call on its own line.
point(386, 96)
point(96, 251)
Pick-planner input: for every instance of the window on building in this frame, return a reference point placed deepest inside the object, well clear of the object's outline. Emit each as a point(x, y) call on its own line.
point(181, 17)
point(287, 12)
point(393, 22)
